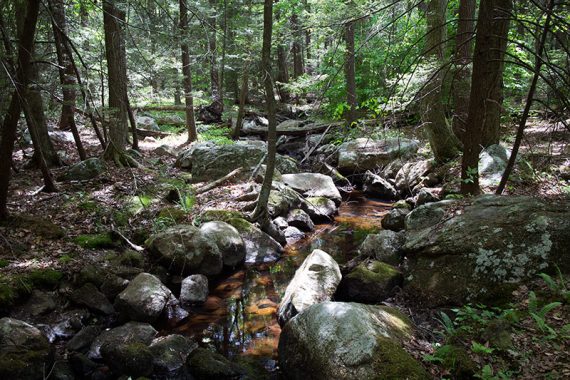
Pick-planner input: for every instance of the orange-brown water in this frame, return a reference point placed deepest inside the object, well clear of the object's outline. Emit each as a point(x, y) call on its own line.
point(239, 316)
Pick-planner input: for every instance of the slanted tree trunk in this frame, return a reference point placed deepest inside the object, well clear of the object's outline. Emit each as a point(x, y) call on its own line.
point(349, 72)
point(443, 142)
point(242, 99)
point(261, 212)
point(462, 73)
point(189, 100)
point(66, 74)
point(492, 29)
point(114, 18)
point(21, 80)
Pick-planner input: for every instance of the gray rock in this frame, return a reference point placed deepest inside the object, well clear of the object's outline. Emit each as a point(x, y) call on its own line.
point(391, 170)
point(169, 356)
point(83, 339)
point(360, 155)
point(428, 195)
point(313, 185)
point(337, 340)
point(88, 295)
point(227, 239)
point(113, 285)
point(147, 122)
point(259, 246)
point(320, 209)
point(84, 170)
point(479, 250)
point(492, 164)
point(25, 353)
point(395, 219)
point(384, 246)
point(208, 161)
point(411, 174)
point(370, 281)
point(39, 303)
point(315, 281)
point(205, 364)
point(131, 332)
point(194, 289)
point(144, 299)
point(184, 249)
point(280, 222)
point(292, 234)
point(300, 219)
point(377, 186)
point(282, 199)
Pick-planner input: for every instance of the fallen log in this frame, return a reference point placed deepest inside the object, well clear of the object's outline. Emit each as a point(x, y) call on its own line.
point(142, 133)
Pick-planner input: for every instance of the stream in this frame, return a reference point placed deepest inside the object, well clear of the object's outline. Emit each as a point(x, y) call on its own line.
point(239, 317)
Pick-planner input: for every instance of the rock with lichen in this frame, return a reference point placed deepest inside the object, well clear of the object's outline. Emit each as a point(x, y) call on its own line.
point(482, 248)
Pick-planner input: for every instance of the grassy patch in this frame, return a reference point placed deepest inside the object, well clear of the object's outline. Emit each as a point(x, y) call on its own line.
point(94, 241)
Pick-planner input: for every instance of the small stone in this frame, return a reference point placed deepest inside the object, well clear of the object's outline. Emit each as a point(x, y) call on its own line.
point(88, 295)
point(300, 219)
point(194, 289)
point(83, 339)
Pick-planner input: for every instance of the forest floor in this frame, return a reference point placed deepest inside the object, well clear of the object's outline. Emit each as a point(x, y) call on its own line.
point(131, 201)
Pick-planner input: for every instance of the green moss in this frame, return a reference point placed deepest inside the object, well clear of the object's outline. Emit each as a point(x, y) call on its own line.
point(374, 272)
point(130, 258)
point(457, 361)
point(241, 224)
point(221, 215)
point(4, 263)
point(94, 241)
point(48, 278)
point(7, 295)
point(65, 259)
point(395, 363)
point(121, 218)
point(88, 205)
point(173, 213)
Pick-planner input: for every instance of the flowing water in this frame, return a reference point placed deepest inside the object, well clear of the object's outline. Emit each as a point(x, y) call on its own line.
point(239, 317)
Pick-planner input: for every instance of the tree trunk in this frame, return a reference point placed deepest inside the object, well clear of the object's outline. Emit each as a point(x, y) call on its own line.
point(443, 142)
point(349, 73)
point(10, 122)
point(217, 104)
point(462, 74)
point(490, 133)
point(242, 99)
point(66, 74)
point(224, 47)
point(261, 212)
point(190, 120)
point(282, 69)
point(298, 68)
point(492, 29)
point(114, 19)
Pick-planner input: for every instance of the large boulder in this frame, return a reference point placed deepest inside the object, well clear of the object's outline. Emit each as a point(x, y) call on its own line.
point(132, 359)
point(300, 219)
point(395, 219)
point(360, 155)
point(131, 332)
point(88, 295)
point(480, 249)
point(337, 340)
point(144, 299)
point(227, 239)
point(259, 246)
point(315, 281)
point(208, 161)
point(492, 164)
point(25, 353)
point(205, 364)
point(84, 170)
point(378, 187)
point(370, 282)
point(282, 198)
point(184, 249)
point(313, 185)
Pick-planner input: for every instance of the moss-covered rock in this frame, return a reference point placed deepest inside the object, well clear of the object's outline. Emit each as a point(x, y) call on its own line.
point(336, 340)
point(83, 170)
point(47, 278)
point(38, 226)
point(25, 352)
point(173, 213)
point(134, 359)
point(221, 215)
point(370, 282)
point(205, 364)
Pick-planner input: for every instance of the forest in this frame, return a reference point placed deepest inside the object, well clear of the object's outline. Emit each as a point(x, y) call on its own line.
point(288, 189)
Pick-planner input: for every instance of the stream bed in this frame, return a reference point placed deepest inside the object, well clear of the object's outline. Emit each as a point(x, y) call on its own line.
point(239, 317)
